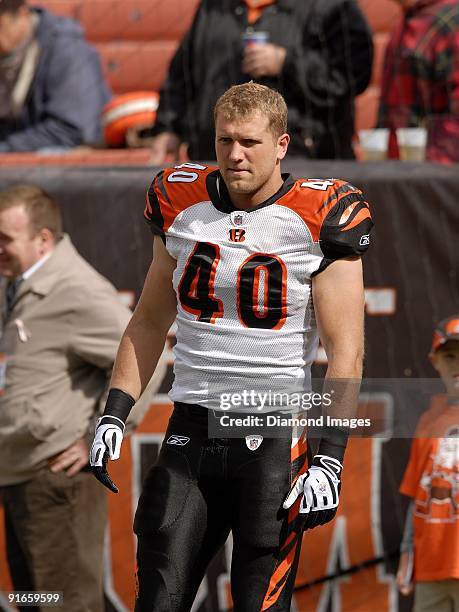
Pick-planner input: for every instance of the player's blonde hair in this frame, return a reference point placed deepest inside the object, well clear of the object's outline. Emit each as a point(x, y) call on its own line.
point(242, 101)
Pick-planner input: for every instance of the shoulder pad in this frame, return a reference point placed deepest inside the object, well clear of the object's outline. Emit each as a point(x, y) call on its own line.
point(172, 191)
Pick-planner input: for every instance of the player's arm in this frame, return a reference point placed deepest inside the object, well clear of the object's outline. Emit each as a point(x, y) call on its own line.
point(143, 341)
point(338, 298)
point(339, 302)
point(139, 351)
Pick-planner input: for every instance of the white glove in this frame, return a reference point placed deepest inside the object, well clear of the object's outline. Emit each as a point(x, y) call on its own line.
point(106, 444)
point(319, 488)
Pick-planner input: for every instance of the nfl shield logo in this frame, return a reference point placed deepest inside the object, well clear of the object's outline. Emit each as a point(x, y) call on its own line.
point(253, 442)
point(238, 218)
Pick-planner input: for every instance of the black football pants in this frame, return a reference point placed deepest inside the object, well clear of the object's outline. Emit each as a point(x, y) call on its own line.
point(200, 490)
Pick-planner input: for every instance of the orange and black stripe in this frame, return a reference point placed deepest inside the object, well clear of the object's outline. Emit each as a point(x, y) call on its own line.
point(289, 550)
point(165, 200)
point(313, 206)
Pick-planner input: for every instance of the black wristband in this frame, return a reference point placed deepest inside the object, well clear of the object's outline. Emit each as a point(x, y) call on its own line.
point(334, 442)
point(119, 404)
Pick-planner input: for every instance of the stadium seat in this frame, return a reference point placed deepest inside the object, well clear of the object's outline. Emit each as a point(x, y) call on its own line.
point(108, 20)
point(136, 66)
point(135, 20)
point(64, 8)
point(135, 38)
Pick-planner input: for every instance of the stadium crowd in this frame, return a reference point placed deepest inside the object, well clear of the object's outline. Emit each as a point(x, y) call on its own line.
point(318, 54)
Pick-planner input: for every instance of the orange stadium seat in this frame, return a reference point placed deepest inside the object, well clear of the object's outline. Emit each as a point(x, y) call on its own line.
point(136, 66)
point(107, 20)
point(65, 8)
point(135, 38)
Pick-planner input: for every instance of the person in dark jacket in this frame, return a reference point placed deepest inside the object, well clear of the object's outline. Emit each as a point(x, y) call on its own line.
point(317, 53)
point(52, 90)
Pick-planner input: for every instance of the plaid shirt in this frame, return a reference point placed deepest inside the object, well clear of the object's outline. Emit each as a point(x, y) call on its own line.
point(420, 84)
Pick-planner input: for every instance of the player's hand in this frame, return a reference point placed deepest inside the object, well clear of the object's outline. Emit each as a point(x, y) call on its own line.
point(165, 148)
point(263, 60)
point(106, 445)
point(404, 574)
point(319, 489)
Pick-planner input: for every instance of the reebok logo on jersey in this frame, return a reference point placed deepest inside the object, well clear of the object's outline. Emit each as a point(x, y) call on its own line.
point(253, 442)
point(237, 235)
point(178, 440)
point(365, 240)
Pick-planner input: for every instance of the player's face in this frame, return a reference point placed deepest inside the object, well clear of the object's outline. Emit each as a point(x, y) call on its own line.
point(248, 155)
point(446, 362)
point(19, 249)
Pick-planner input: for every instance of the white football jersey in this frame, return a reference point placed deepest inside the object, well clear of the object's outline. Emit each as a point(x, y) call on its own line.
point(245, 317)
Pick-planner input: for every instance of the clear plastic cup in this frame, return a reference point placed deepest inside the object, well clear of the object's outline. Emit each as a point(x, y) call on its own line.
point(412, 143)
point(373, 144)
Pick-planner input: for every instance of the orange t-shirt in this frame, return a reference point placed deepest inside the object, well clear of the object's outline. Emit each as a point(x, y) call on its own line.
point(432, 480)
point(255, 8)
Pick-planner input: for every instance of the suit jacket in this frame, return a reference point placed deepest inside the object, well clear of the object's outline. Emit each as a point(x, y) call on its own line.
point(57, 348)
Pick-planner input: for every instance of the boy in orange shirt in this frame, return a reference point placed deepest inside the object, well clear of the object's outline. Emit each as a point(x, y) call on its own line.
point(430, 547)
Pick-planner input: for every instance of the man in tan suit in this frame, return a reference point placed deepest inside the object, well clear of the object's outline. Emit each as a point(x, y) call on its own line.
point(61, 325)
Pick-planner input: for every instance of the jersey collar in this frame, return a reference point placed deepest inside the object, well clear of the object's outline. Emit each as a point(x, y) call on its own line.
point(218, 192)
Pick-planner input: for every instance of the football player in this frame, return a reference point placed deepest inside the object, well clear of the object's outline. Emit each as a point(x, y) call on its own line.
point(253, 265)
